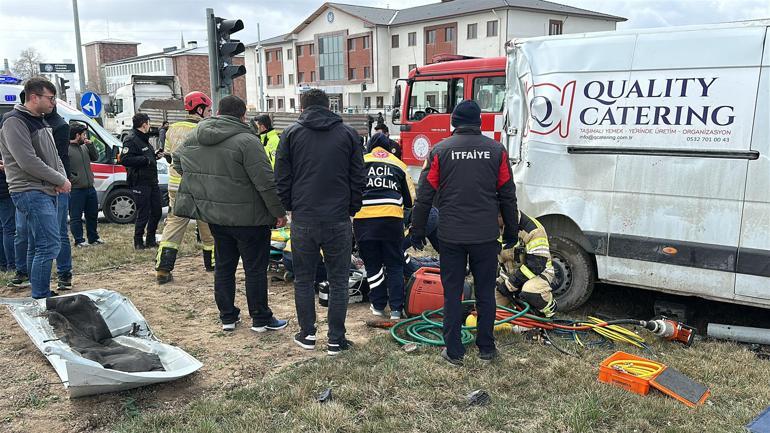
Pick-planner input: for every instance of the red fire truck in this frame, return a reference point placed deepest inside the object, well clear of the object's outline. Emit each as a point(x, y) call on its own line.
point(431, 93)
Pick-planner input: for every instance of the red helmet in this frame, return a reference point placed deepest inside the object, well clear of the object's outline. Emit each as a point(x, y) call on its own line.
point(193, 99)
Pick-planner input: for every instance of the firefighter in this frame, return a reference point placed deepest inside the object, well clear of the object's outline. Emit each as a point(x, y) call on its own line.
point(140, 158)
point(378, 226)
point(198, 106)
point(526, 270)
point(268, 136)
point(470, 175)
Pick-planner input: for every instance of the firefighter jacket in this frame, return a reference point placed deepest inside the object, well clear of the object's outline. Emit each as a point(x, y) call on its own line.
point(472, 176)
point(531, 257)
point(270, 141)
point(389, 188)
point(138, 157)
point(175, 136)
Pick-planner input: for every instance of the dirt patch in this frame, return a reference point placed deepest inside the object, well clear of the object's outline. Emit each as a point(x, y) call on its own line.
point(182, 313)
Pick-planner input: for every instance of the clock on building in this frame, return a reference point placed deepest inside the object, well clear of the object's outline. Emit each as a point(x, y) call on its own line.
point(330, 16)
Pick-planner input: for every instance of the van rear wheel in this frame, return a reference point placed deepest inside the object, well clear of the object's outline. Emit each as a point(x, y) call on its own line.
point(119, 206)
point(575, 273)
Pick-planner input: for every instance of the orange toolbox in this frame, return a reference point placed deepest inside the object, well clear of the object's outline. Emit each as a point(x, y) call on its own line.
point(622, 379)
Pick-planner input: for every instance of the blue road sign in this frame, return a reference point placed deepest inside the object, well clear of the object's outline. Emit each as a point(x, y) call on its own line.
point(91, 104)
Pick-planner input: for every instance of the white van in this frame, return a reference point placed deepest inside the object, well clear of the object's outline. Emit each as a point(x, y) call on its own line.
point(115, 199)
point(646, 156)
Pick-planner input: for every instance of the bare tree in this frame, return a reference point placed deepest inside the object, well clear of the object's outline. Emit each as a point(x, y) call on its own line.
point(27, 65)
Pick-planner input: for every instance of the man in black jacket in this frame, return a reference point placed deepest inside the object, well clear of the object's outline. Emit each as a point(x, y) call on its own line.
point(61, 136)
point(140, 160)
point(473, 178)
point(319, 173)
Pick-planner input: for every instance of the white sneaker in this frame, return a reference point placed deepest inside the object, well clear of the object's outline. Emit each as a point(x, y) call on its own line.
point(395, 315)
point(376, 312)
point(230, 326)
point(82, 245)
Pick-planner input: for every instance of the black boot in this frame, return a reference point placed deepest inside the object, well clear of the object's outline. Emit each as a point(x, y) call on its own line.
point(150, 243)
point(208, 260)
point(165, 264)
point(138, 243)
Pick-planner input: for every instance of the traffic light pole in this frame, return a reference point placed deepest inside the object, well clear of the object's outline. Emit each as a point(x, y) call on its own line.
point(211, 27)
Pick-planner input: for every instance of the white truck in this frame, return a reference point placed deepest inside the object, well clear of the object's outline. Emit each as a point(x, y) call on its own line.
point(646, 155)
point(159, 96)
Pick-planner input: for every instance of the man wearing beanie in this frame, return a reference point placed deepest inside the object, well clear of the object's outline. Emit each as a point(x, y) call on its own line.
point(472, 175)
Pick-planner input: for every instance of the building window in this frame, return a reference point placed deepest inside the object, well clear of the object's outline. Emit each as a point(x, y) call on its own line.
point(367, 72)
point(291, 78)
point(412, 66)
point(280, 104)
point(299, 50)
point(351, 44)
point(312, 76)
point(269, 80)
point(412, 39)
point(430, 37)
point(394, 41)
point(380, 102)
point(367, 44)
point(367, 102)
point(292, 105)
point(300, 77)
point(449, 34)
point(267, 56)
point(554, 27)
point(279, 79)
point(395, 71)
point(491, 28)
point(270, 103)
point(352, 74)
point(289, 54)
point(257, 57)
point(331, 58)
point(279, 55)
point(312, 49)
point(473, 30)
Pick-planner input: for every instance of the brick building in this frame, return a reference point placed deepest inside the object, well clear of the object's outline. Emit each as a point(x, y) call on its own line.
point(102, 52)
point(190, 64)
point(355, 53)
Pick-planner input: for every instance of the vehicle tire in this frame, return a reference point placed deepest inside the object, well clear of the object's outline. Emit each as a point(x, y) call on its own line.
point(119, 206)
point(575, 273)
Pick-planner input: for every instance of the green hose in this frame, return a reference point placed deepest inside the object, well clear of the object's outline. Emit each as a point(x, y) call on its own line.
point(424, 330)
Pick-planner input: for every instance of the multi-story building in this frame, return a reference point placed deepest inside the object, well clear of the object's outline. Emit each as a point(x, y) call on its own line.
point(355, 53)
point(190, 64)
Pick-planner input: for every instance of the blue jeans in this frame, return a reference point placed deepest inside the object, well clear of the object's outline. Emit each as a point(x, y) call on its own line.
point(84, 200)
point(64, 259)
point(24, 245)
point(41, 213)
point(8, 227)
point(336, 240)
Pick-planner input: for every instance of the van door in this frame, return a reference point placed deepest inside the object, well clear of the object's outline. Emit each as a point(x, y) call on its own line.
point(752, 282)
point(681, 169)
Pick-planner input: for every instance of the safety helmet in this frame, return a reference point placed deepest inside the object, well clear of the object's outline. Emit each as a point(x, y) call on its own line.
point(193, 99)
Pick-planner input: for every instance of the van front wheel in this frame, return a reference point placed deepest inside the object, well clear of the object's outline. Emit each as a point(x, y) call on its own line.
point(575, 273)
point(119, 206)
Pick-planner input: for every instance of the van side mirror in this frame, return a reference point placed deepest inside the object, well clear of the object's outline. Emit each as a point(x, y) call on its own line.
point(396, 114)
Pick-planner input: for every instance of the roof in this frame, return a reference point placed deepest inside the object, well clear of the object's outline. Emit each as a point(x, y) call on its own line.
point(197, 51)
point(270, 41)
point(454, 66)
point(462, 7)
point(111, 41)
point(443, 9)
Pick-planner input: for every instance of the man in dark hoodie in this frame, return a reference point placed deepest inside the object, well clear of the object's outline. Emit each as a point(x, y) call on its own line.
point(320, 179)
point(61, 136)
point(227, 182)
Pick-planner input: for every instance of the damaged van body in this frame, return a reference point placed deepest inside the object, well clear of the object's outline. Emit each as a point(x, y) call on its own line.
point(98, 342)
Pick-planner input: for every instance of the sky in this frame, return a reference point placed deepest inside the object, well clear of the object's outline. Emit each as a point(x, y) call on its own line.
point(47, 25)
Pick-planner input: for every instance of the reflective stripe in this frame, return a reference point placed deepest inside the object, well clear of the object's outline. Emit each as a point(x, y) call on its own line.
point(398, 201)
point(537, 242)
point(527, 273)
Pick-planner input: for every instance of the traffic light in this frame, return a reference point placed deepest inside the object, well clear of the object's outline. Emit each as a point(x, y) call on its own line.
point(227, 49)
point(63, 87)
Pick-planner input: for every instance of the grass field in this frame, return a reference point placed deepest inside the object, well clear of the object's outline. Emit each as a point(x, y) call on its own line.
point(377, 387)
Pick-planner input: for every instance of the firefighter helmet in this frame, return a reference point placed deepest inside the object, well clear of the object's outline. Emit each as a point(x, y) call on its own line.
point(193, 99)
